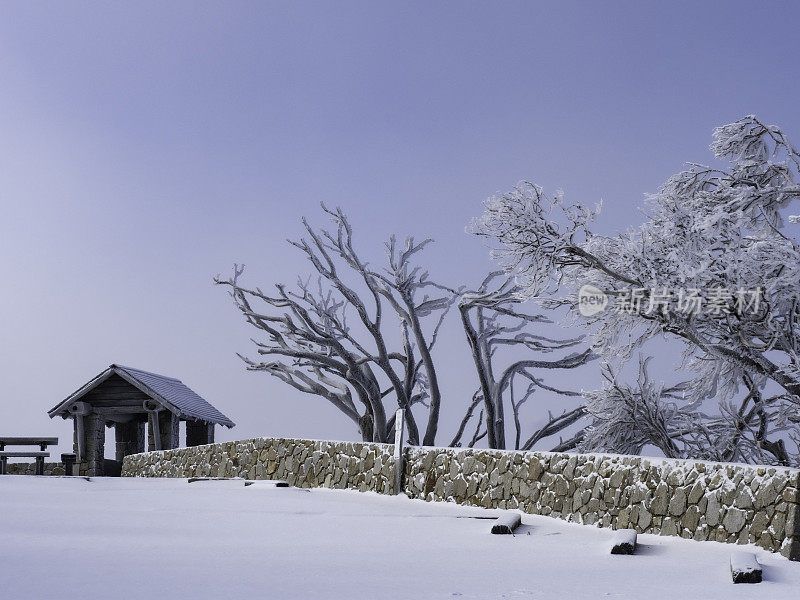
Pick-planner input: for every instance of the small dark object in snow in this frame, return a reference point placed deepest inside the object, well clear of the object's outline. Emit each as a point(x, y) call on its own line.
point(745, 568)
point(193, 479)
point(624, 542)
point(507, 523)
point(267, 483)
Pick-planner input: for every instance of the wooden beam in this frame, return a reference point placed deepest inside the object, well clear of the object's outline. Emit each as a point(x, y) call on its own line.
point(29, 441)
point(507, 522)
point(624, 542)
point(116, 401)
point(31, 454)
point(79, 408)
point(114, 420)
point(745, 568)
point(120, 410)
point(129, 392)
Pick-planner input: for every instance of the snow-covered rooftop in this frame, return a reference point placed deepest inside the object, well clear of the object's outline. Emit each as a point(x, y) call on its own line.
point(171, 392)
point(145, 538)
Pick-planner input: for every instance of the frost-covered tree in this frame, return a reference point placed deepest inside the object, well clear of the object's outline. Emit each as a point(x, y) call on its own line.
point(362, 339)
point(331, 339)
point(493, 320)
point(626, 418)
point(713, 265)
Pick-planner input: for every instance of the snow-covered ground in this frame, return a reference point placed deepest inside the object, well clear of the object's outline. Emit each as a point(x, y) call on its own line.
point(148, 538)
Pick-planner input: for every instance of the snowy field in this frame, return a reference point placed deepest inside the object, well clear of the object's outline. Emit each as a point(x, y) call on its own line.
point(66, 538)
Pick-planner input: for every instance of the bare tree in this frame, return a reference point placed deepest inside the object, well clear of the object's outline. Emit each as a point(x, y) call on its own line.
point(492, 320)
point(329, 339)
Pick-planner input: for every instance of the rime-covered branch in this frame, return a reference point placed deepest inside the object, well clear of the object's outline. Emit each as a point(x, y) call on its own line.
point(717, 234)
point(329, 339)
point(491, 319)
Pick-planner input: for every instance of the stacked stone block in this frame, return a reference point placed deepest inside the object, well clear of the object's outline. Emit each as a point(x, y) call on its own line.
point(50, 468)
point(302, 463)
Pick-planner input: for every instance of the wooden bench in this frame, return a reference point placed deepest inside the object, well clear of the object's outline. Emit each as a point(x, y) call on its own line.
point(39, 455)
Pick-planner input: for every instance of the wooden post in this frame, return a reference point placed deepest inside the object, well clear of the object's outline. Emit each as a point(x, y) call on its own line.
point(81, 434)
point(399, 437)
point(169, 429)
point(745, 568)
point(95, 445)
point(79, 410)
point(507, 522)
point(624, 542)
point(68, 458)
point(156, 429)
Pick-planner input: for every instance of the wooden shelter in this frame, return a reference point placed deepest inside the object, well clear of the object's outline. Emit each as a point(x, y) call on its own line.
point(129, 400)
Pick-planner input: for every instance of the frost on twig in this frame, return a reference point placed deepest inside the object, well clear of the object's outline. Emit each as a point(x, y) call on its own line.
point(707, 229)
point(328, 337)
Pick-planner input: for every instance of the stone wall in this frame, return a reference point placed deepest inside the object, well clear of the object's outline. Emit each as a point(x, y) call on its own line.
point(700, 500)
point(50, 468)
point(302, 463)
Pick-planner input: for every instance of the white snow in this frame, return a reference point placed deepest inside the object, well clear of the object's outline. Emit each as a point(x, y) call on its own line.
point(147, 538)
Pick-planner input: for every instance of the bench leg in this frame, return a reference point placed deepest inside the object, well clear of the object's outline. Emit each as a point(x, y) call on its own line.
point(40, 465)
point(3, 463)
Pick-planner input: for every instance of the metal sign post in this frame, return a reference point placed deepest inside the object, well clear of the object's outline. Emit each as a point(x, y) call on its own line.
point(399, 438)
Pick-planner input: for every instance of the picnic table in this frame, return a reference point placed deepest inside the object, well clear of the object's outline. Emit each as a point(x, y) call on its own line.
point(39, 455)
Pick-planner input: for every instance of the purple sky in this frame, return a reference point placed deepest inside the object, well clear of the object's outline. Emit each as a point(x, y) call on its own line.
point(145, 148)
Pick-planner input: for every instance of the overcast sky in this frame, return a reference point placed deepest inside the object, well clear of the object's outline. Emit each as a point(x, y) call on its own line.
point(146, 147)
